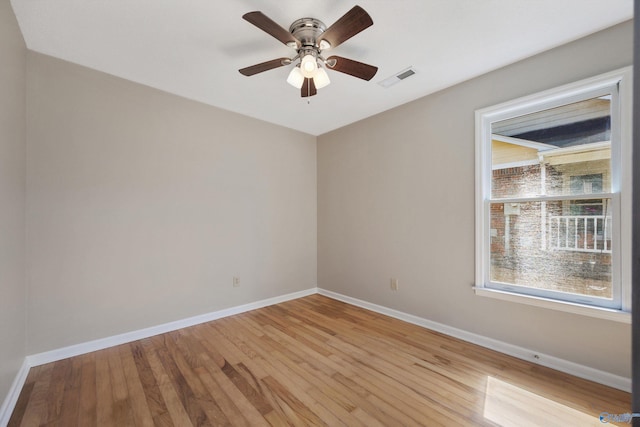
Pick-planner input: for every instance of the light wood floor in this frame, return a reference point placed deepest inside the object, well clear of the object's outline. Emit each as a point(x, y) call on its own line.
point(312, 361)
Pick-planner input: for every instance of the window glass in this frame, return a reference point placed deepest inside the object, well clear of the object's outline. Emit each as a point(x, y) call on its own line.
point(561, 245)
point(554, 151)
point(564, 253)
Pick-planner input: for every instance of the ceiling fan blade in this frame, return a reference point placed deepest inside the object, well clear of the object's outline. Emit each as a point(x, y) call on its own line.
point(267, 25)
point(264, 66)
point(308, 88)
point(353, 68)
point(346, 27)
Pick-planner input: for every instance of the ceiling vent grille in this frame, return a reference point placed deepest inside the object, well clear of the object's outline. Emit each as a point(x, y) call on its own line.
point(398, 77)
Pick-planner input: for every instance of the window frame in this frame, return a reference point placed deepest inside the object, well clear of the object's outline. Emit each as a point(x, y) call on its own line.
point(621, 178)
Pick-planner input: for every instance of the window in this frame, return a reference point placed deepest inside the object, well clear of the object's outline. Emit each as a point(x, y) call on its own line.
point(553, 210)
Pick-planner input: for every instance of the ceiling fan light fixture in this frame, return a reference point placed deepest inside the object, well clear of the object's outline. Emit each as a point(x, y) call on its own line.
point(309, 66)
point(321, 79)
point(295, 78)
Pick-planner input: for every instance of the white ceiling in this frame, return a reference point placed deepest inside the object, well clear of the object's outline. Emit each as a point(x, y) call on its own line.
point(194, 48)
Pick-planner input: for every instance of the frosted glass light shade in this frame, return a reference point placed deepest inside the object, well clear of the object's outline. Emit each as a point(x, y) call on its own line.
point(321, 79)
point(308, 66)
point(295, 78)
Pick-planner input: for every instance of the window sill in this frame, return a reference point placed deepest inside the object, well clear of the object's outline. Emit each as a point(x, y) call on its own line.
point(568, 307)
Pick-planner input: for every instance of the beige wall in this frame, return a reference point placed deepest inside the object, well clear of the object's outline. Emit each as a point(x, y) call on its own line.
point(142, 206)
point(12, 210)
point(396, 199)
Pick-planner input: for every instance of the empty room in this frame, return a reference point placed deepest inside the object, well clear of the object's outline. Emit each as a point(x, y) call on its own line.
point(316, 213)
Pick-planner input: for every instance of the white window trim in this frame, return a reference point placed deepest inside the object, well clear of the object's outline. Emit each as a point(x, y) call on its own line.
point(622, 161)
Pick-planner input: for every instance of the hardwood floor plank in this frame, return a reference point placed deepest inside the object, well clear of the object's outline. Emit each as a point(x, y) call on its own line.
point(366, 419)
point(310, 361)
point(370, 404)
point(69, 410)
point(290, 398)
point(121, 408)
point(305, 384)
point(183, 391)
point(280, 342)
point(368, 364)
point(174, 406)
point(298, 392)
point(297, 386)
point(333, 406)
point(55, 396)
point(155, 402)
point(432, 389)
point(226, 405)
point(137, 399)
point(227, 340)
point(252, 393)
point(199, 358)
point(247, 408)
point(311, 387)
point(36, 407)
point(185, 360)
point(396, 395)
point(88, 413)
point(104, 404)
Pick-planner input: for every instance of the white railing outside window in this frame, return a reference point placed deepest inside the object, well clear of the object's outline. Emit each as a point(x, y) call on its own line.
point(580, 233)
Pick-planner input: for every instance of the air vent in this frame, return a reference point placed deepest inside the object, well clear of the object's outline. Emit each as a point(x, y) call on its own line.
point(398, 77)
point(406, 74)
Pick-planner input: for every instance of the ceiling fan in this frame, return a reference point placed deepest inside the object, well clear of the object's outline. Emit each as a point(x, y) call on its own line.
point(309, 37)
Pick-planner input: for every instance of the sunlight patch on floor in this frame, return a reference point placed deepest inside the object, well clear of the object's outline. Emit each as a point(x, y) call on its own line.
point(508, 405)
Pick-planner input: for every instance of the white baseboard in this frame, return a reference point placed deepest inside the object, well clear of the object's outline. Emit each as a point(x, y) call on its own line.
point(102, 343)
point(581, 371)
point(14, 392)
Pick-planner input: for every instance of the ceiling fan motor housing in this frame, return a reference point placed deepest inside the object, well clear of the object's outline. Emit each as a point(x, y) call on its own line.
point(307, 31)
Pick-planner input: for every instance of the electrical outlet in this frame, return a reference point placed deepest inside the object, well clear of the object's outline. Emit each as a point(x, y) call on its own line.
point(236, 282)
point(394, 284)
